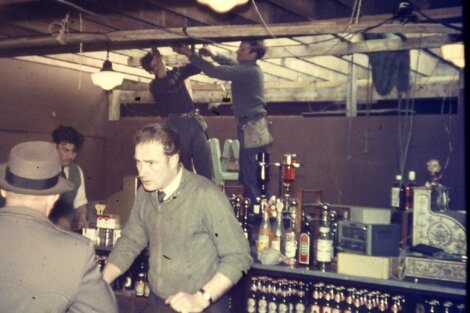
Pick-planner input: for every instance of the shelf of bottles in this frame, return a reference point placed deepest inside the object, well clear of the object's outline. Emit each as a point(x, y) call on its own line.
point(133, 282)
point(270, 294)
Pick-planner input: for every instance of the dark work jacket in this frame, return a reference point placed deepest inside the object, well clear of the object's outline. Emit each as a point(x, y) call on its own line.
point(170, 92)
point(64, 206)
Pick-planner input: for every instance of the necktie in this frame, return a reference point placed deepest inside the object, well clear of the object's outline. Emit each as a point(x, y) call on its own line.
point(160, 196)
point(62, 172)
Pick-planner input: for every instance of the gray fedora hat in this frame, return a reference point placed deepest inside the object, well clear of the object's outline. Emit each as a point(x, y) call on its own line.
point(33, 168)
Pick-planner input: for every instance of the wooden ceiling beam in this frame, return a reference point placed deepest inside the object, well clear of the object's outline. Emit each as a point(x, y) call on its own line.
point(425, 88)
point(337, 47)
point(148, 37)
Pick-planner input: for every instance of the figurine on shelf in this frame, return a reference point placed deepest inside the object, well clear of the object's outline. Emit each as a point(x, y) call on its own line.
point(439, 193)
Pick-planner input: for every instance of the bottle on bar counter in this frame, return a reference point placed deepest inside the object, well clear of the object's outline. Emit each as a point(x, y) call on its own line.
point(305, 254)
point(397, 195)
point(279, 233)
point(409, 190)
point(290, 242)
point(324, 252)
point(265, 231)
point(252, 296)
point(141, 280)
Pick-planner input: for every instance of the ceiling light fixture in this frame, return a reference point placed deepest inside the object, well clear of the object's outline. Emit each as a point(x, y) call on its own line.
point(454, 53)
point(222, 6)
point(106, 78)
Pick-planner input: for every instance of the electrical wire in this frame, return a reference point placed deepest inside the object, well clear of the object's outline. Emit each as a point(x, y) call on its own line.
point(434, 20)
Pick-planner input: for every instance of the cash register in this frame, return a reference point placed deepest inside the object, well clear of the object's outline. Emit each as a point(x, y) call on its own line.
point(442, 242)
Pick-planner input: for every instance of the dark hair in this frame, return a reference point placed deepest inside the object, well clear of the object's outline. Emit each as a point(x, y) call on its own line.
point(161, 133)
point(68, 134)
point(146, 62)
point(258, 47)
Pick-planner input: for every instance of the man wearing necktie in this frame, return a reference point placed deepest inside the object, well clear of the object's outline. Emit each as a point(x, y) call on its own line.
point(197, 247)
point(71, 205)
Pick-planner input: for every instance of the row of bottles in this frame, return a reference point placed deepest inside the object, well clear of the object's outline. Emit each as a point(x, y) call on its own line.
point(401, 197)
point(135, 279)
point(269, 295)
point(278, 236)
point(300, 250)
point(436, 306)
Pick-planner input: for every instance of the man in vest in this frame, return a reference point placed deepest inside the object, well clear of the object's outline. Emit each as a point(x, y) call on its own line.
point(71, 205)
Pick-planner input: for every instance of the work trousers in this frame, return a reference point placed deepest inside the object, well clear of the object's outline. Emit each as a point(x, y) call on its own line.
point(157, 305)
point(248, 168)
point(194, 146)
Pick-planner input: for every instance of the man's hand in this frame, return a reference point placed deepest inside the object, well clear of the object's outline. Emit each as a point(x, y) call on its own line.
point(185, 302)
point(206, 52)
point(111, 272)
point(63, 223)
point(183, 49)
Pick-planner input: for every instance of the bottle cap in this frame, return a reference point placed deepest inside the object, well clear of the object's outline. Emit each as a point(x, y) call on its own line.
point(411, 175)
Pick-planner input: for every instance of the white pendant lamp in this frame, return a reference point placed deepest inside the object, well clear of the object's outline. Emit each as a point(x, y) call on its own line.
point(454, 53)
point(222, 6)
point(106, 78)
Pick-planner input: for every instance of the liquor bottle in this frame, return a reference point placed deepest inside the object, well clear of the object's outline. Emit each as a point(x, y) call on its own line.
point(337, 303)
point(290, 242)
point(397, 196)
point(300, 304)
point(129, 279)
point(245, 224)
point(141, 280)
point(305, 255)
point(317, 299)
point(324, 252)
point(257, 207)
point(252, 296)
point(283, 306)
point(263, 295)
point(348, 307)
point(447, 306)
point(279, 232)
point(327, 304)
point(273, 297)
point(265, 232)
point(409, 190)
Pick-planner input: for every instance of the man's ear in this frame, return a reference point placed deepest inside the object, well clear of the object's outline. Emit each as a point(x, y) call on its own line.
point(174, 160)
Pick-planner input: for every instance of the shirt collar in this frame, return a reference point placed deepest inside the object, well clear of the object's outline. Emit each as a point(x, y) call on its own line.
point(173, 186)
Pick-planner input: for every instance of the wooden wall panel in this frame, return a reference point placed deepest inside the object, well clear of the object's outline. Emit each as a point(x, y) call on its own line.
point(35, 99)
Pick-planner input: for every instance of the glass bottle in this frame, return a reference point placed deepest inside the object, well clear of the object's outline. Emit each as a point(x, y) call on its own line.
point(409, 190)
point(263, 295)
point(316, 299)
point(327, 306)
point(290, 242)
point(283, 292)
point(265, 231)
point(324, 252)
point(273, 297)
point(300, 301)
point(305, 255)
point(279, 233)
point(348, 305)
point(141, 280)
point(397, 193)
point(252, 296)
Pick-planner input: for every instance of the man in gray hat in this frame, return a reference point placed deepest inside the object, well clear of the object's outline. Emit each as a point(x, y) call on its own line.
point(43, 268)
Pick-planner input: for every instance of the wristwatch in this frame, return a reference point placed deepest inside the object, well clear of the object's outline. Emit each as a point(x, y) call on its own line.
point(206, 296)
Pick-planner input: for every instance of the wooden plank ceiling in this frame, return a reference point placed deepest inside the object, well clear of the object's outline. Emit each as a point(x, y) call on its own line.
point(314, 44)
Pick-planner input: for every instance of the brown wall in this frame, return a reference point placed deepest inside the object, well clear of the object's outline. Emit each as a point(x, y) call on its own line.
point(343, 171)
point(35, 99)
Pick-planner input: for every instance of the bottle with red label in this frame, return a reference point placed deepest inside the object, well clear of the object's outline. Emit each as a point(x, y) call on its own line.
point(305, 254)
